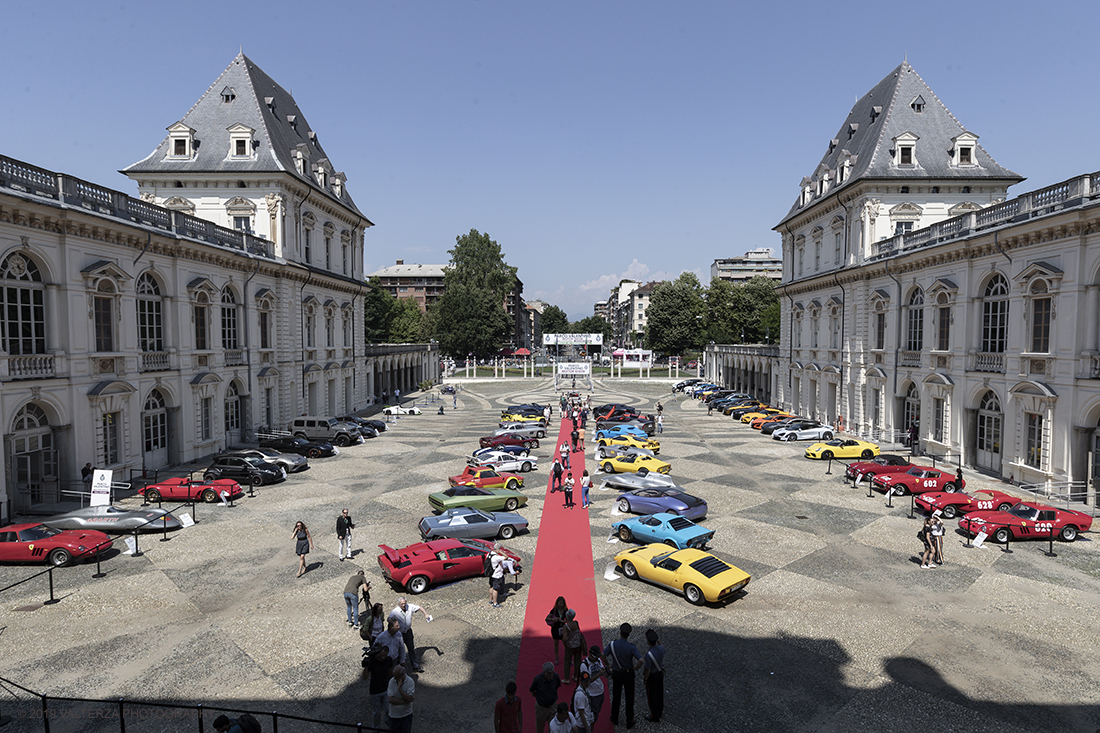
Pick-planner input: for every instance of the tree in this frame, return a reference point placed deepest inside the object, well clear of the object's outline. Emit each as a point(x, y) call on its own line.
point(405, 322)
point(470, 317)
point(760, 295)
point(554, 320)
point(675, 315)
point(593, 324)
point(377, 312)
point(722, 305)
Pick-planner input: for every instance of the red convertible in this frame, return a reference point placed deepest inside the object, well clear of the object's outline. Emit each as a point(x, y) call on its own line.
point(419, 566)
point(884, 463)
point(1028, 521)
point(486, 478)
point(185, 489)
point(917, 480)
point(963, 502)
point(37, 542)
point(492, 441)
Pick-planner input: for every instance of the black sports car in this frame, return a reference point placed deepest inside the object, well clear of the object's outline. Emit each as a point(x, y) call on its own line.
point(367, 430)
point(301, 446)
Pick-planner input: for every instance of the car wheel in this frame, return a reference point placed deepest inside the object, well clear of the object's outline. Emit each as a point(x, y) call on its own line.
point(950, 511)
point(671, 544)
point(624, 506)
point(525, 453)
point(300, 435)
point(867, 454)
point(256, 480)
point(827, 436)
point(314, 453)
point(790, 437)
point(1002, 535)
point(417, 585)
point(507, 532)
point(540, 434)
point(342, 441)
point(210, 476)
point(827, 454)
point(511, 505)
point(209, 496)
point(949, 487)
point(152, 495)
point(693, 595)
point(608, 467)
point(1004, 507)
point(526, 467)
point(527, 444)
point(629, 570)
point(1068, 533)
point(59, 557)
point(512, 484)
point(625, 534)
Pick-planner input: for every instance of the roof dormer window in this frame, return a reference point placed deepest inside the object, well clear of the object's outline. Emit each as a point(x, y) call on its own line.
point(905, 150)
point(241, 142)
point(917, 104)
point(181, 141)
point(228, 95)
point(301, 159)
point(963, 150)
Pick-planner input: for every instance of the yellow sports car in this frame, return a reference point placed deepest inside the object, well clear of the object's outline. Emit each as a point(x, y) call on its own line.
point(699, 575)
point(843, 448)
point(764, 412)
point(513, 417)
point(633, 464)
point(632, 441)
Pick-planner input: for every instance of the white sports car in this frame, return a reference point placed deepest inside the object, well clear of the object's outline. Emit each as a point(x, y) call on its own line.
point(805, 431)
point(400, 410)
point(610, 451)
point(501, 461)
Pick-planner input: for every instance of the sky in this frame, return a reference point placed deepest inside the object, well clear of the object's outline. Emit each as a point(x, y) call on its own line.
point(594, 141)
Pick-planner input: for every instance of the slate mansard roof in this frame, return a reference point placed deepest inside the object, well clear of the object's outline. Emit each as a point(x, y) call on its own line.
point(258, 102)
point(886, 112)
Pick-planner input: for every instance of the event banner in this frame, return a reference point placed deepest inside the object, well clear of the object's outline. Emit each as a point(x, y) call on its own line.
point(574, 368)
point(101, 486)
point(572, 339)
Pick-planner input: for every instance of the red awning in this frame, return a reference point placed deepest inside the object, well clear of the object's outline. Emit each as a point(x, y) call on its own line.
point(523, 352)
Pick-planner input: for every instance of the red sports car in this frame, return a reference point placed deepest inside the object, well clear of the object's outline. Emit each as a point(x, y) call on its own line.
point(884, 463)
point(486, 478)
point(917, 480)
point(419, 566)
point(492, 441)
point(185, 489)
point(37, 542)
point(1028, 521)
point(963, 502)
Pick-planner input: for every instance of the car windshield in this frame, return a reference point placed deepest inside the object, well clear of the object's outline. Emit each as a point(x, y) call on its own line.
point(39, 532)
point(254, 460)
point(1023, 511)
point(268, 451)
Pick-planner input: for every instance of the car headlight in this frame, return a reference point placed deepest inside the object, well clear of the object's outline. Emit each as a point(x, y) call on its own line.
point(81, 548)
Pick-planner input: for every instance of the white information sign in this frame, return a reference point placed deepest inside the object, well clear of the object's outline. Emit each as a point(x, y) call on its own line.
point(574, 369)
point(101, 487)
point(980, 538)
point(131, 545)
point(572, 339)
point(186, 520)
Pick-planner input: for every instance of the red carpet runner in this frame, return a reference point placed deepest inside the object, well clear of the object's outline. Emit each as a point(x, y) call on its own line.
point(562, 567)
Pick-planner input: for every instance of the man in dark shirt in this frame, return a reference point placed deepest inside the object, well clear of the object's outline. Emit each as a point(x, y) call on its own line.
point(654, 676)
point(624, 660)
point(545, 689)
point(379, 666)
point(508, 714)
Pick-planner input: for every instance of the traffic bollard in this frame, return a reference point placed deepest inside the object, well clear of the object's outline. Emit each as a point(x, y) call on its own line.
point(1050, 550)
point(829, 469)
point(52, 599)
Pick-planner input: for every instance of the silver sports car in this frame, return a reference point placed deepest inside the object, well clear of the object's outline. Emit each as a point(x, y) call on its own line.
point(632, 481)
point(289, 461)
point(610, 451)
point(522, 430)
point(114, 520)
point(463, 522)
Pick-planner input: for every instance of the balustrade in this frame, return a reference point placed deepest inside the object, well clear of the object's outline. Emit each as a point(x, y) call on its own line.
point(234, 357)
point(37, 366)
point(155, 361)
point(909, 359)
point(988, 362)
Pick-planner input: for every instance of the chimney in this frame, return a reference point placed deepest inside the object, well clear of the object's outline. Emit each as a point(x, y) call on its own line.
point(401, 262)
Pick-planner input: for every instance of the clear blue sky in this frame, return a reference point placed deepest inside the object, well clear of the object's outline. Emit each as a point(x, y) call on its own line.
point(592, 140)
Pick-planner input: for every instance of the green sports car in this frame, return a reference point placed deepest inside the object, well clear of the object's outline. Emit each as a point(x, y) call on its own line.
point(490, 500)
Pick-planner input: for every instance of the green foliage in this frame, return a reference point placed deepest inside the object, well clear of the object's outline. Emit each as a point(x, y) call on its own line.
point(769, 319)
point(478, 261)
point(593, 324)
point(425, 386)
point(554, 320)
point(470, 315)
point(377, 312)
point(744, 313)
point(405, 322)
point(675, 315)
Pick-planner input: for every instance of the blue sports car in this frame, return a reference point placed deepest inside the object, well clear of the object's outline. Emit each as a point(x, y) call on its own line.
point(621, 430)
point(655, 499)
point(516, 450)
point(671, 529)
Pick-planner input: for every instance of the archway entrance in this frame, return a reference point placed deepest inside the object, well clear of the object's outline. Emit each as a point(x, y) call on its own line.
point(990, 424)
point(34, 462)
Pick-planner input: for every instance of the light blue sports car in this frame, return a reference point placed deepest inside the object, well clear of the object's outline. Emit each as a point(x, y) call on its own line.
point(671, 529)
point(620, 430)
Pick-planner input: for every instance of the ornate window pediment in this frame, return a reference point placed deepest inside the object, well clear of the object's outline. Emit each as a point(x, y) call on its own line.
point(1041, 270)
point(962, 150)
point(104, 270)
point(178, 203)
point(204, 286)
point(905, 150)
point(181, 142)
point(240, 206)
point(242, 144)
point(906, 212)
point(964, 208)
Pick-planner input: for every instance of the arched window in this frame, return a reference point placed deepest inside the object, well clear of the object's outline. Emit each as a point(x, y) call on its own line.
point(149, 315)
point(232, 414)
point(229, 320)
point(911, 415)
point(1040, 317)
point(943, 318)
point(154, 419)
point(103, 316)
point(989, 431)
point(914, 333)
point(30, 417)
point(200, 315)
point(995, 316)
point(22, 298)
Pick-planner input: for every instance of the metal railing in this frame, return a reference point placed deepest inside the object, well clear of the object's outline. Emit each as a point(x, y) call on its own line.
point(1068, 494)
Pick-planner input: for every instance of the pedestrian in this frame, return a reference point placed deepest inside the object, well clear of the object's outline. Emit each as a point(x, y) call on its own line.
point(379, 665)
point(401, 693)
point(573, 640)
point(581, 437)
point(586, 485)
point(569, 492)
point(959, 483)
point(653, 675)
point(545, 690)
point(225, 724)
point(937, 537)
point(710, 409)
point(385, 397)
point(454, 401)
point(508, 713)
point(392, 639)
point(555, 619)
point(546, 414)
point(556, 472)
point(575, 436)
point(500, 564)
point(624, 659)
point(925, 536)
point(660, 408)
point(86, 476)
point(596, 669)
point(396, 396)
point(584, 418)
point(302, 545)
point(582, 705)
point(660, 424)
point(351, 597)
point(563, 451)
point(403, 612)
point(376, 625)
point(912, 437)
point(563, 720)
point(344, 526)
